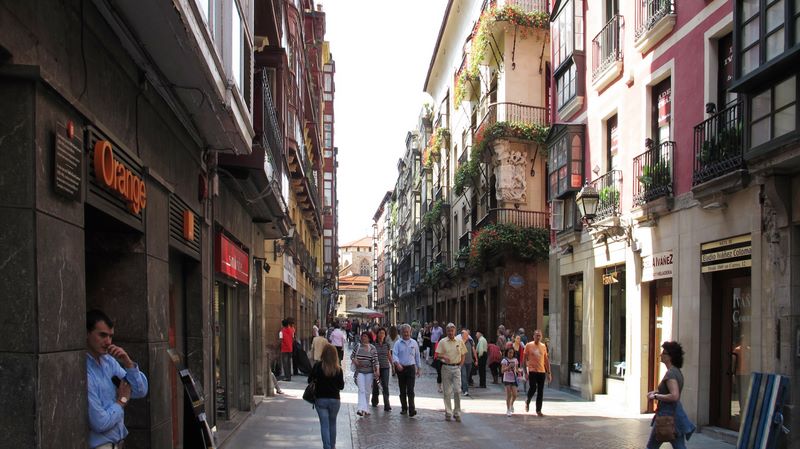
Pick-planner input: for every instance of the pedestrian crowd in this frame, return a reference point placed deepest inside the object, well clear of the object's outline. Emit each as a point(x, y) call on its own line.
point(513, 360)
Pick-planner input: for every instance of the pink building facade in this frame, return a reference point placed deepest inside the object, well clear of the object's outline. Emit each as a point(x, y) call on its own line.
point(675, 115)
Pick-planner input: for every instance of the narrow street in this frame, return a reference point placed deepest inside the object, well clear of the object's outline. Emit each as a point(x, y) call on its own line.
point(286, 421)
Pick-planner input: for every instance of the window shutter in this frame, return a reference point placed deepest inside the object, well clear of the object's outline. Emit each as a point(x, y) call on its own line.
point(557, 215)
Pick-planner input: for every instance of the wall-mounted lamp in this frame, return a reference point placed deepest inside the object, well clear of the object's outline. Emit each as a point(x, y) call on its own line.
point(278, 248)
point(263, 263)
point(587, 200)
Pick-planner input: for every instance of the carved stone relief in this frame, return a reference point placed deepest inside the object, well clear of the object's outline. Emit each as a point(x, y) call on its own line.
point(509, 169)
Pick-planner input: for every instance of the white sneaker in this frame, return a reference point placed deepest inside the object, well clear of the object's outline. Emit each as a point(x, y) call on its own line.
point(509, 413)
point(512, 409)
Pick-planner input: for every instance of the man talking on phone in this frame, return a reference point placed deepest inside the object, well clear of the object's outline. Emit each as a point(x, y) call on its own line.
point(112, 380)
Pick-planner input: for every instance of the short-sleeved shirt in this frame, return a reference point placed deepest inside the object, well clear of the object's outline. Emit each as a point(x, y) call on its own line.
point(536, 358)
point(452, 349)
point(511, 374)
point(337, 338)
point(316, 347)
point(287, 339)
point(672, 373)
point(436, 334)
point(469, 346)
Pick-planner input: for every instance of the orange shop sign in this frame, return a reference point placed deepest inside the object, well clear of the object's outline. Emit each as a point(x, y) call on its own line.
point(115, 176)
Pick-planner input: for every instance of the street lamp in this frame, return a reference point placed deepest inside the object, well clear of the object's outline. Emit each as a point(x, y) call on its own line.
point(587, 200)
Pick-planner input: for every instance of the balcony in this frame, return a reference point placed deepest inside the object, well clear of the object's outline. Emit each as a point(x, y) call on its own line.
point(521, 218)
point(512, 113)
point(608, 187)
point(528, 6)
point(654, 20)
point(653, 170)
point(718, 145)
point(607, 54)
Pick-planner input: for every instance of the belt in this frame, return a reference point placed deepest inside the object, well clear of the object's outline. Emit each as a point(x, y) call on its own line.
point(452, 364)
point(118, 445)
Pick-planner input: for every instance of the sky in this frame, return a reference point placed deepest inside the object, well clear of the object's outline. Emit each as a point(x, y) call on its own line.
point(382, 51)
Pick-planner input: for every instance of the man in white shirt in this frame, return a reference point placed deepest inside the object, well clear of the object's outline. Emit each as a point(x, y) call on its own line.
point(338, 339)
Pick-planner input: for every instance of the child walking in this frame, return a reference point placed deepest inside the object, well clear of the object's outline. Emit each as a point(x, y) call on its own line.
point(510, 367)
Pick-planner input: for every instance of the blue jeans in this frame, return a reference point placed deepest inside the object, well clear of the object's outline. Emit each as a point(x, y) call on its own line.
point(679, 443)
point(327, 409)
point(465, 372)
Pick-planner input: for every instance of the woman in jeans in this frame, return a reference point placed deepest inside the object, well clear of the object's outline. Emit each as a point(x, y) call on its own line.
point(668, 396)
point(365, 359)
point(385, 361)
point(330, 380)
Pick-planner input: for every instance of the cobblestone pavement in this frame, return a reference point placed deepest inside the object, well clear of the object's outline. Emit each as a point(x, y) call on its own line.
point(569, 422)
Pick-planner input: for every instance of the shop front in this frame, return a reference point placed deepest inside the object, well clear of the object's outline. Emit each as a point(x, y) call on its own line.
point(726, 265)
point(231, 318)
point(657, 272)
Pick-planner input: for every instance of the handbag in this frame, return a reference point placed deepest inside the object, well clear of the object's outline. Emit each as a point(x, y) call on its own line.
point(664, 427)
point(310, 395)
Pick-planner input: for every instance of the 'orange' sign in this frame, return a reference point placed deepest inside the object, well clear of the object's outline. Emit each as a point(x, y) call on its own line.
point(119, 178)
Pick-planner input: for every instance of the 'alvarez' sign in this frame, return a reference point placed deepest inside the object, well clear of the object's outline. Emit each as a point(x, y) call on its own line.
point(114, 175)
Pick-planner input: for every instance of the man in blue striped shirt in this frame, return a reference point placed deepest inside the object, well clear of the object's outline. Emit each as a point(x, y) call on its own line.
point(110, 386)
point(407, 366)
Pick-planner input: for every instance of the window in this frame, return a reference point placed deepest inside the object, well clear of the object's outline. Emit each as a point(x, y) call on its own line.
point(567, 31)
point(614, 322)
point(328, 153)
point(237, 50)
point(327, 250)
point(773, 112)
point(328, 139)
point(566, 85)
point(328, 176)
point(767, 28)
point(565, 166)
point(328, 194)
point(327, 97)
point(328, 80)
point(328, 118)
point(364, 270)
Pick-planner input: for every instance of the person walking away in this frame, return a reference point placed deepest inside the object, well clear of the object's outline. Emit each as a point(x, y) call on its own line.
point(510, 368)
point(501, 337)
point(668, 396)
point(482, 349)
point(436, 332)
point(426, 342)
point(329, 331)
point(329, 378)
point(522, 336)
point(437, 365)
point(470, 359)
point(317, 344)
point(315, 329)
point(451, 351)
point(112, 379)
point(538, 366)
point(338, 339)
point(494, 361)
point(407, 365)
point(286, 336)
point(392, 339)
point(365, 359)
point(385, 361)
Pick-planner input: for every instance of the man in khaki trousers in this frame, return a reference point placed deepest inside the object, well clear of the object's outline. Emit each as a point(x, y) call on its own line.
point(451, 352)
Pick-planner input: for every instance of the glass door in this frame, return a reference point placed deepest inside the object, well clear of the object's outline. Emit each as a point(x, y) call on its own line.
point(660, 331)
point(575, 325)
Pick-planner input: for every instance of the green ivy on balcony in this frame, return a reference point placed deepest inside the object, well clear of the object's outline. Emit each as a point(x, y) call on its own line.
point(523, 243)
point(435, 275)
point(434, 148)
point(482, 35)
point(432, 217)
point(467, 174)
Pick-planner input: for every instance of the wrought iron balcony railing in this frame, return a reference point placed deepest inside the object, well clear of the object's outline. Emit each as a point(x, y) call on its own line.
point(522, 218)
point(529, 5)
point(653, 170)
point(649, 13)
point(718, 145)
point(606, 48)
point(609, 187)
point(513, 113)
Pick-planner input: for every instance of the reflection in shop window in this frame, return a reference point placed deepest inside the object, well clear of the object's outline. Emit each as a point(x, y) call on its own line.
point(614, 318)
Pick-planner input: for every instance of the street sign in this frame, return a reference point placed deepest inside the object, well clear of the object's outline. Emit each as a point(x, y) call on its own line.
point(474, 283)
point(516, 281)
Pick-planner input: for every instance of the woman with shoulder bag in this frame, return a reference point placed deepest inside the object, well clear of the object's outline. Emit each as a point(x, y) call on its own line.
point(329, 380)
point(670, 424)
point(365, 359)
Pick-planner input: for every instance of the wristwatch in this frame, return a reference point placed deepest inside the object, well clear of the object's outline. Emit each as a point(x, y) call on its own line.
point(124, 400)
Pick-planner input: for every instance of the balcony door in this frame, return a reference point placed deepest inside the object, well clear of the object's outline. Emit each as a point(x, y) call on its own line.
point(612, 143)
point(662, 111)
point(725, 71)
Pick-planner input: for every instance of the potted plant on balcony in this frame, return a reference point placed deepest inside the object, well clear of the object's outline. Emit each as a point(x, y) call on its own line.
point(609, 196)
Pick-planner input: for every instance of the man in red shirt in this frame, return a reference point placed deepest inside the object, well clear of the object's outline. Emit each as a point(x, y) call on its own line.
point(286, 336)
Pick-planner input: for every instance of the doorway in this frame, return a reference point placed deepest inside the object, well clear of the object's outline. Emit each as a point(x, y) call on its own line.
point(730, 346)
point(575, 329)
point(660, 331)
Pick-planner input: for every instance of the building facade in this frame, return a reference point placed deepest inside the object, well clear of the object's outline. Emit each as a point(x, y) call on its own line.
point(469, 243)
point(169, 178)
point(673, 113)
point(382, 267)
point(355, 275)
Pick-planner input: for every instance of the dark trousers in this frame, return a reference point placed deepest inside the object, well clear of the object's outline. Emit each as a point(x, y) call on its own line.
point(286, 365)
point(340, 351)
point(495, 367)
point(384, 386)
point(438, 372)
point(537, 381)
point(406, 380)
point(482, 369)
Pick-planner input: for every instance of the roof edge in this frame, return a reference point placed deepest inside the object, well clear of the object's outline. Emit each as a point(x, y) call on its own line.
point(438, 42)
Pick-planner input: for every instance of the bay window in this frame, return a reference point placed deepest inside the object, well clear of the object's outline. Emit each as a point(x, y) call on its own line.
point(568, 46)
point(565, 166)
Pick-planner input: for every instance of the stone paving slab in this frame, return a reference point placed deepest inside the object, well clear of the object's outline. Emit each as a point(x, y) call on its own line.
point(570, 422)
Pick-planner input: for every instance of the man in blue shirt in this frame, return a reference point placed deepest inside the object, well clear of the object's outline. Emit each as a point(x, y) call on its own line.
point(406, 364)
point(110, 386)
